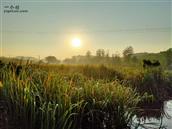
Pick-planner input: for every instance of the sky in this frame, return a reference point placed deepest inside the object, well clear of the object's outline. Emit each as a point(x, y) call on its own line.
point(50, 25)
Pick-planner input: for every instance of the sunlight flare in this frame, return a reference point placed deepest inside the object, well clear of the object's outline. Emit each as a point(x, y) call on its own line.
point(76, 42)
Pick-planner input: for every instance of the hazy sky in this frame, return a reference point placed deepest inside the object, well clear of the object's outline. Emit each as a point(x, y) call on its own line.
point(50, 25)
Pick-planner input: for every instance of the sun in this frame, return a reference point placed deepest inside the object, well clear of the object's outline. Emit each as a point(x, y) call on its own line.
point(76, 42)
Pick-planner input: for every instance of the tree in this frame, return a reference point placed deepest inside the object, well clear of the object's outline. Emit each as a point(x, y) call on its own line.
point(52, 59)
point(128, 52)
point(107, 53)
point(100, 53)
point(116, 57)
point(169, 57)
point(88, 53)
point(67, 61)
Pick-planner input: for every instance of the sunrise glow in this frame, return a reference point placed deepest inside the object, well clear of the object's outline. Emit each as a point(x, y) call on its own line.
point(76, 42)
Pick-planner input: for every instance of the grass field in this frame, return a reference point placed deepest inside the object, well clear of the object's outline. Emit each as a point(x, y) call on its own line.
point(81, 96)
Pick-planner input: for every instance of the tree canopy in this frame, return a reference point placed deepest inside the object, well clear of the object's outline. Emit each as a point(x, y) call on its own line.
point(52, 59)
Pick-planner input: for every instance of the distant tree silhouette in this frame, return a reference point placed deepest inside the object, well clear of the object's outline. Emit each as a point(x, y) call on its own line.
point(67, 61)
point(116, 57)
point(107, 54)
point(52, 59)
point(128, 52)
point(168, 56)
point(88, 53)
point(100, 53)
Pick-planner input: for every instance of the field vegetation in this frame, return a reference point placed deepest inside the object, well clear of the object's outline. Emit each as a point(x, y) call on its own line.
point(82, 96)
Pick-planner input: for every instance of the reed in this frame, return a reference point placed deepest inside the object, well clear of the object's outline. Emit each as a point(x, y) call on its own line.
point(72, 97)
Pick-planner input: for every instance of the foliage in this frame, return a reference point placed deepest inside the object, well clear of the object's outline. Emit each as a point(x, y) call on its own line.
point(44, 99)
point(52, 59)
point(168, 55)
point(100, 53)
point(88, 53)
point(49, 96)
point(128, 52)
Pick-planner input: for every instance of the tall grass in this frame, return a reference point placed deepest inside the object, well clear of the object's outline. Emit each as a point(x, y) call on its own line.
point(42, 98)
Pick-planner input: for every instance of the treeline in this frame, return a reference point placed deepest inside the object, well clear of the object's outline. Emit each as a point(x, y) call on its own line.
point(101, 56)
point(128, 58)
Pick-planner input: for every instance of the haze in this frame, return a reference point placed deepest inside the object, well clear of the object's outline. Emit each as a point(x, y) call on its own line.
point(49, 27)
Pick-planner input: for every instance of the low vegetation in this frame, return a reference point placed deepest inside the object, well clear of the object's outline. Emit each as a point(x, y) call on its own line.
point(44, 100)
point(104, 96)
